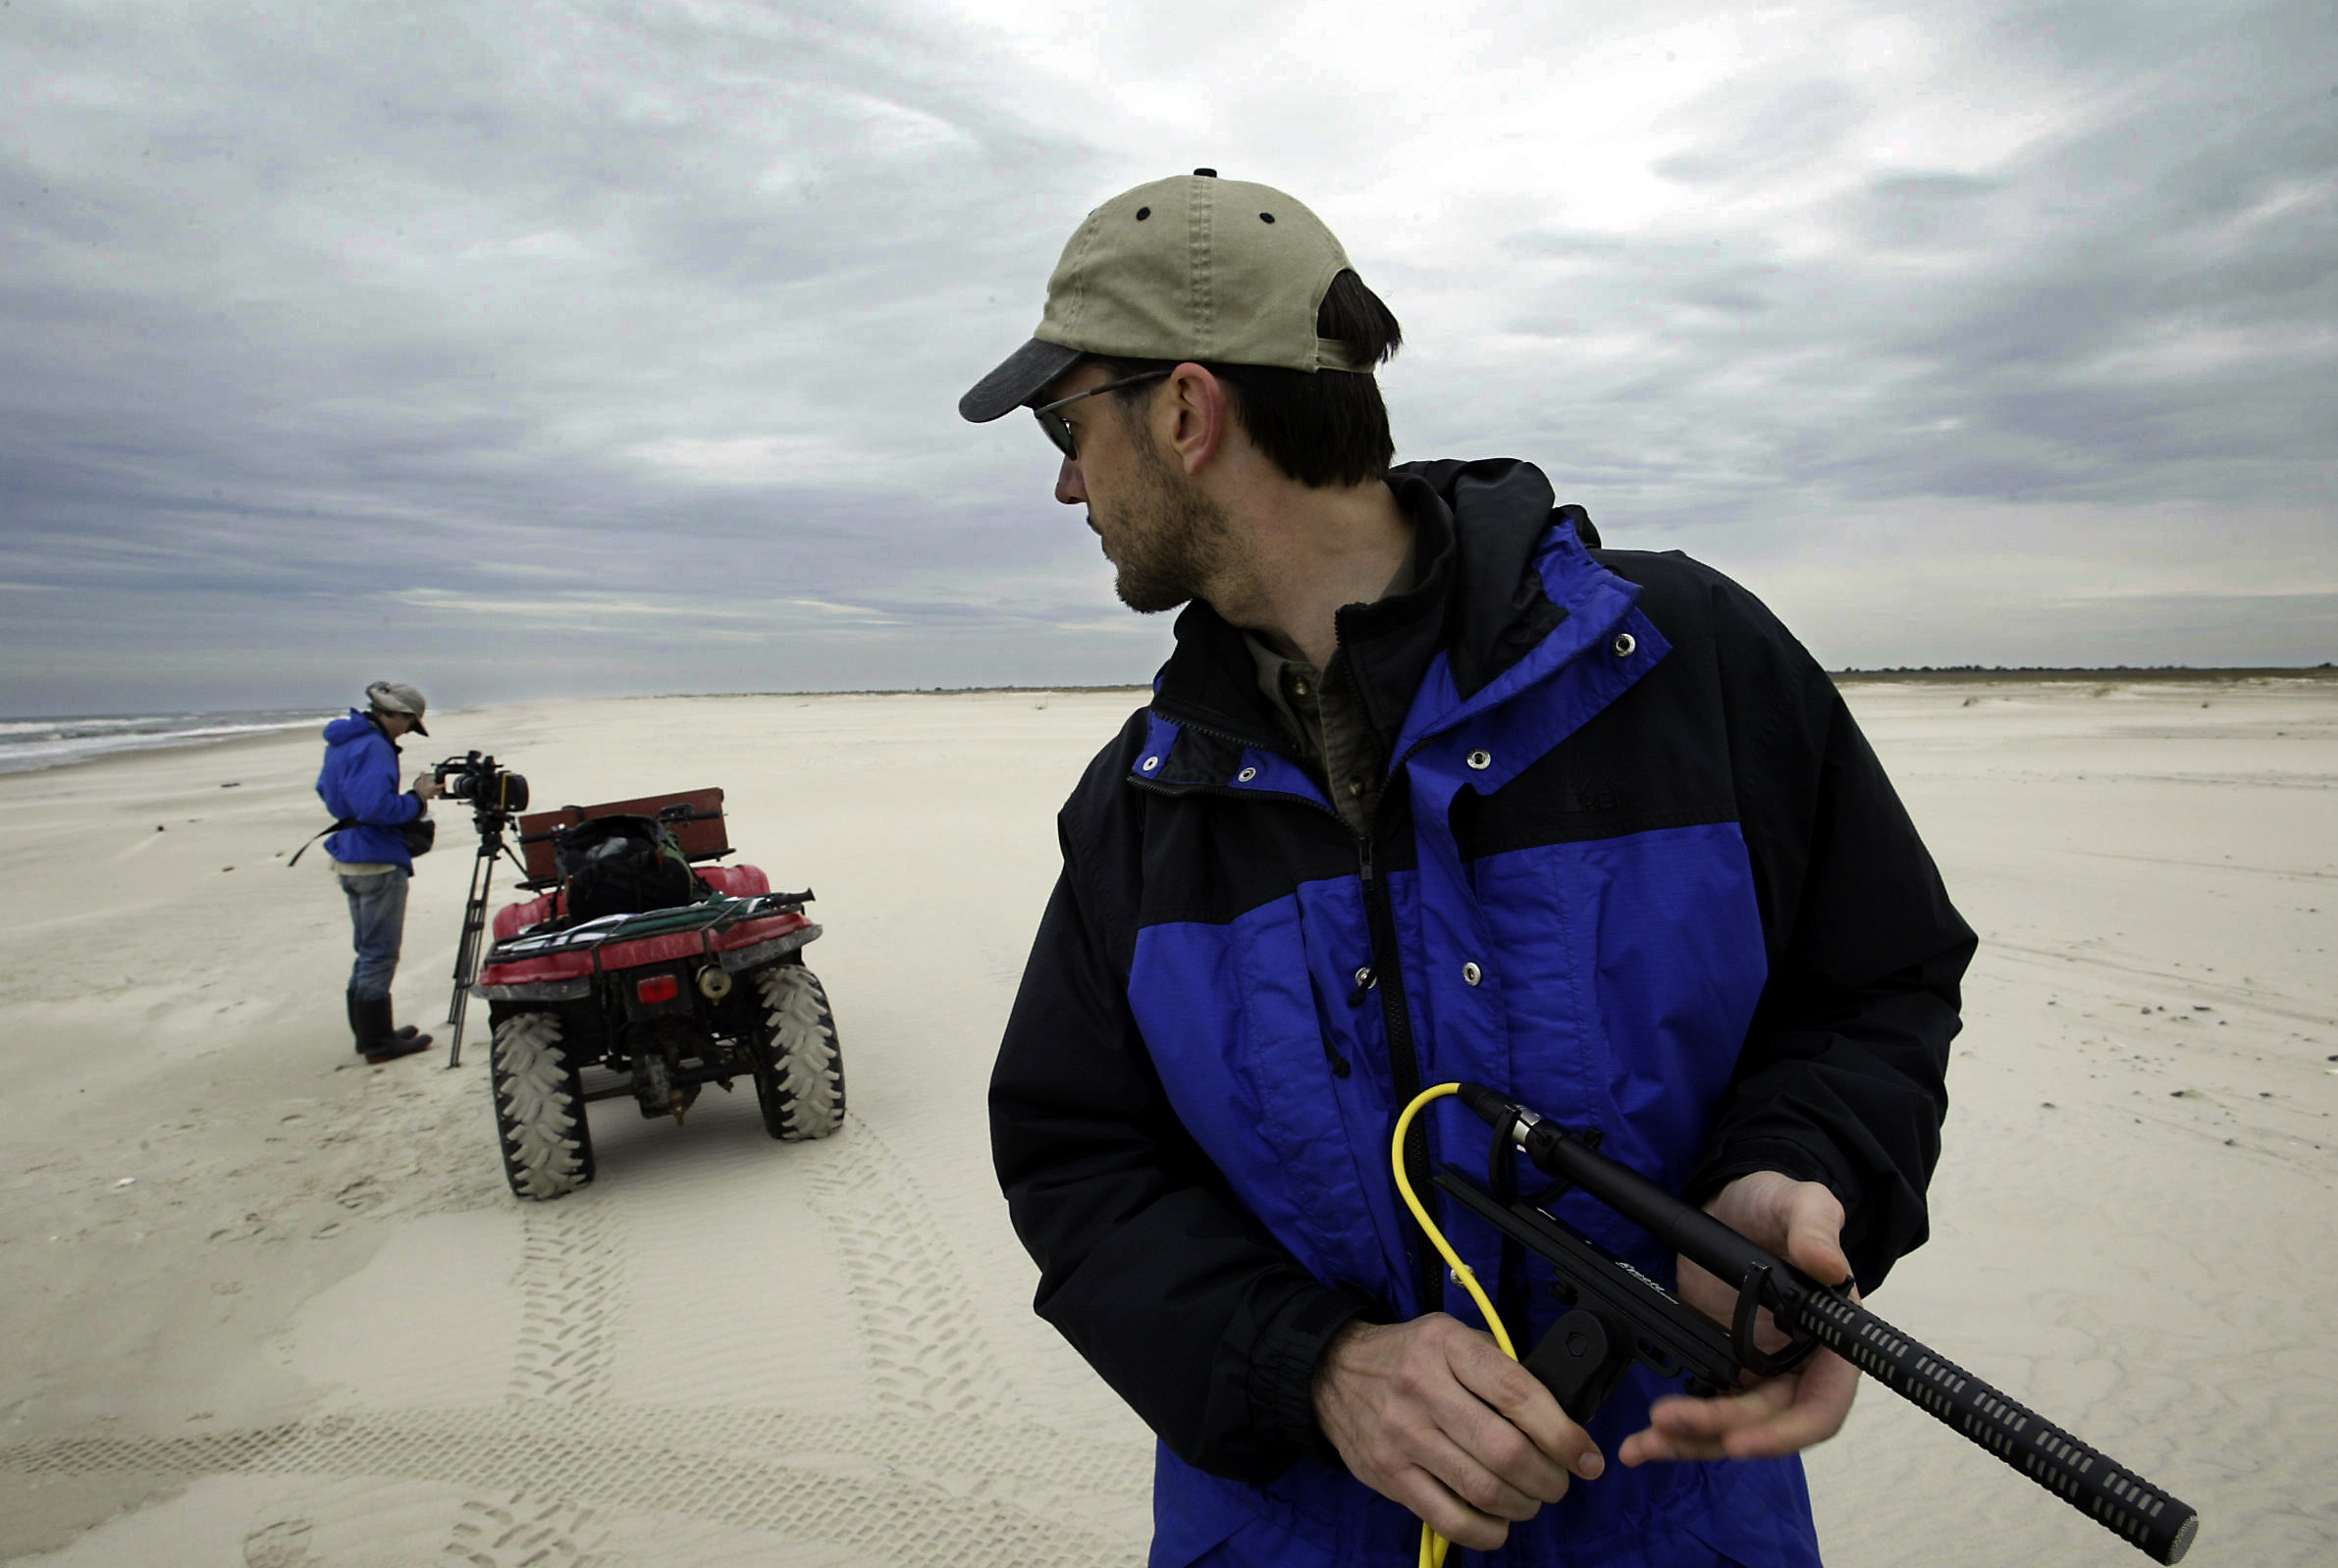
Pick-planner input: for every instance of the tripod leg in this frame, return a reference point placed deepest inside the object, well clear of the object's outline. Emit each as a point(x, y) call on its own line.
point(474, 911)
point(466, 952)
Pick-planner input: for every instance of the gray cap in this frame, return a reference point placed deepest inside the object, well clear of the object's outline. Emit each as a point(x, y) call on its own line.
point(1187, 268)
point(396, 697)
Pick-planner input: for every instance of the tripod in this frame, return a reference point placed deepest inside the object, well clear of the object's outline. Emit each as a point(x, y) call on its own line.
point(491, 824)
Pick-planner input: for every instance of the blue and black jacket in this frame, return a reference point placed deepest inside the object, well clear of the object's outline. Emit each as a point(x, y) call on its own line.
point(359, 783)
point(1633, 864)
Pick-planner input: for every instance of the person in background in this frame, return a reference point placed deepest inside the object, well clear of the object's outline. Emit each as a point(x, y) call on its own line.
point(371, 855)
point(1434, 787)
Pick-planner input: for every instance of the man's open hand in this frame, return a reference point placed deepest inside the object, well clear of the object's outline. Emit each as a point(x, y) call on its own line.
point(1432, 1414)
point(1802, 1223)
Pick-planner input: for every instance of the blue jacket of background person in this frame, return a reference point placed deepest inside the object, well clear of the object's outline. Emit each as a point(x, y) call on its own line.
point(1633, 865)
point(359, 781)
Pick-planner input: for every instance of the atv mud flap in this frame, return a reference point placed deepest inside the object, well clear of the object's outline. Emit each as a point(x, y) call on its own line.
point(740, 960)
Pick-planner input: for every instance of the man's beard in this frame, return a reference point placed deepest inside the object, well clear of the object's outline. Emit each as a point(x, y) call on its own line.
point(1168, 539)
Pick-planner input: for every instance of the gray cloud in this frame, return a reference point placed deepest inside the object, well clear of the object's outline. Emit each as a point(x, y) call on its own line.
point(1754, 133)
point(2136, 307)
point(613, 346)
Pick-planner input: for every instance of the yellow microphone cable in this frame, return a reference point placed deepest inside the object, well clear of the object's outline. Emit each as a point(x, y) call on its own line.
point(1433, 1546)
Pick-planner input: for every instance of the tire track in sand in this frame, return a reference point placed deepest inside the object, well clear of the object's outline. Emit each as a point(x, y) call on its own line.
point(908, 1291)
point(942, 1467)
point(1006, 1497)
point(571, 1279)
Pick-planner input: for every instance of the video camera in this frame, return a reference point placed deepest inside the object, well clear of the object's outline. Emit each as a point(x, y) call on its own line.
point(494, 792)
point(495, 795)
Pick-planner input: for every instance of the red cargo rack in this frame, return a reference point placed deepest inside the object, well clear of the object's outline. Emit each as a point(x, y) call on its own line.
point(695, 816)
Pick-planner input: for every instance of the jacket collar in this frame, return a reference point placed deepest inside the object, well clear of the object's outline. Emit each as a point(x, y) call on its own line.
point(373, 722)
point(1475, 594)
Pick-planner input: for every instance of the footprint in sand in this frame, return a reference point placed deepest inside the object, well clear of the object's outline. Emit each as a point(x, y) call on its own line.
point(282, 1544)
point(525, 1533)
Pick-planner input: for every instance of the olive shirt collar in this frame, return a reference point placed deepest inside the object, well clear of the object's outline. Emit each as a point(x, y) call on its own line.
point(1474, 597)
point(1322, 714)
point(1213, 677)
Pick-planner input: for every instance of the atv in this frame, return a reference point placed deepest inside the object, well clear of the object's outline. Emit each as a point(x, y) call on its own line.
point(654, 1003)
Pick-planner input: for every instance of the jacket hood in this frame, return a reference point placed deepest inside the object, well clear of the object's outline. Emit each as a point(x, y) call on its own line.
point(355, 727)
point(1497, 510)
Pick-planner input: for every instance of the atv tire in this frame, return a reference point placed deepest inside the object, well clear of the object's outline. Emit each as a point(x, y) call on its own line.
point(799, 1071)
point(539, 1108)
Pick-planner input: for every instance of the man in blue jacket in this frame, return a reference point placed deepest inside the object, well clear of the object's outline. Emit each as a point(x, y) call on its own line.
point(370, 855)
point(1433, 787)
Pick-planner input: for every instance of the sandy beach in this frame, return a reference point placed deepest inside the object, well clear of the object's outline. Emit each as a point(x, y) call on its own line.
point(267, 1308)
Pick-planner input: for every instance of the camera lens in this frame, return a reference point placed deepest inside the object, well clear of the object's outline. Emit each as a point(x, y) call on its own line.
point(493, 792)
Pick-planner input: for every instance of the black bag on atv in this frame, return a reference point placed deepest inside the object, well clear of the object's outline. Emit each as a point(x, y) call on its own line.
point(623, 865)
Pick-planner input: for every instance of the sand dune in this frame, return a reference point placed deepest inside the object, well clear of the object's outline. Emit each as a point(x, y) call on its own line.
point(266, 1310)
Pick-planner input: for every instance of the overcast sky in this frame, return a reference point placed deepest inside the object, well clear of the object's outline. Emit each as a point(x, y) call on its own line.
point(557, 348)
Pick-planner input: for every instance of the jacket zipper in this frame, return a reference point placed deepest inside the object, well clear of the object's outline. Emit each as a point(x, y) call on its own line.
point(1404, 1061)
point(1404, 1066)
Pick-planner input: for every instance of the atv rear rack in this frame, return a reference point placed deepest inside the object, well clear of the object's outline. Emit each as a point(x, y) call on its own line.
point(738, 933)
point(695, 817)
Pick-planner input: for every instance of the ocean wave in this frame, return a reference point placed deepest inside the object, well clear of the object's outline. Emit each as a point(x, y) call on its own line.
point(29, 745)
point(67, 728)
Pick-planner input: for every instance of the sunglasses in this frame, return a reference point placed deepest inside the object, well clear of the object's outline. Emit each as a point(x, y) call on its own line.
point(1059, 429)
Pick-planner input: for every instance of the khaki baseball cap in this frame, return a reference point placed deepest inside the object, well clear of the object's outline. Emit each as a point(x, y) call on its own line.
point(396, 697)
point(1192, 267)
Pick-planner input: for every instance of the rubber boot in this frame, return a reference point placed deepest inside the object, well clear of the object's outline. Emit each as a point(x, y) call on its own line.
point(407, 1033)
point(379, 1041)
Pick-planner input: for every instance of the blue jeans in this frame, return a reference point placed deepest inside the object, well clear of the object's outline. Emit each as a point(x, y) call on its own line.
point(378, 912)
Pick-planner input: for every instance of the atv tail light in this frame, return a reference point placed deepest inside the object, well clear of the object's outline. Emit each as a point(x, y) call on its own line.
point(657, 988)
